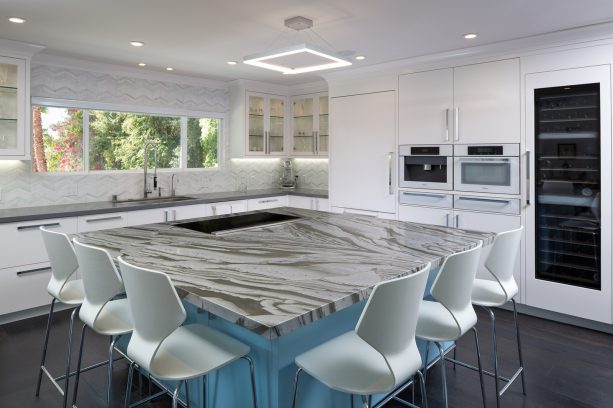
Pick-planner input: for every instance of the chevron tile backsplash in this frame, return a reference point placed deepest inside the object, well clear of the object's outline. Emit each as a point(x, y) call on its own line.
point(22, 188)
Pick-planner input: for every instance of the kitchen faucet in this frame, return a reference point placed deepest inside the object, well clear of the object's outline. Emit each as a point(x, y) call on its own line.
point(146, 190)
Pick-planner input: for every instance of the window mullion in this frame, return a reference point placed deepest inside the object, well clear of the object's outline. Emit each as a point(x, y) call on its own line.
point(183, 143)
point(86, 140)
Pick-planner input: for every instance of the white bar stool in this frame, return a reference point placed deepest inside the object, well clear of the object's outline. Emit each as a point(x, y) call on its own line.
point(164, 348)
point(495, 293)
point(451, 314)
point(381, 354)
point(99, 311)
point(62, 287)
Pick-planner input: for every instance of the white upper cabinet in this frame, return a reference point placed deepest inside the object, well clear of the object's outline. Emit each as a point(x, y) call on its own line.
point(425, 103)
point(310, 125)
point(265, 125)
point(477, 103)
point(14, 141)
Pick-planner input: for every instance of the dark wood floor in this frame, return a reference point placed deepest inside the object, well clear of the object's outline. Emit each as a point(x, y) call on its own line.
point(566, 366)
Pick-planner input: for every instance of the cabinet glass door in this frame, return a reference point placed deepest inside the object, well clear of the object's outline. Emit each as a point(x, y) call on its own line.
point(256, 124)
point(303, 134)
point(567, 169)
point(322, 145)
point(9, 102)
point(276, 125)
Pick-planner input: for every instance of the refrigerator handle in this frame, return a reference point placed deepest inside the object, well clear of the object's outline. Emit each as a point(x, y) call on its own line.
point(456, 121)
point(390, 155)
point(447, 124)
point(528, 186)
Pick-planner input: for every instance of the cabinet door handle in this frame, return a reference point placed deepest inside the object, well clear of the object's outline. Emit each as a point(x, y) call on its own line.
point(528, 186)
point(29, 271)
point(390, 155)
point(165, 216)
point(266, 143)
point(456, 120)
point(316, 142)
point(447, 124)
point(447, 219)
point(118, 217)
point(37, 226)
point(457, 220)
point(272, 200)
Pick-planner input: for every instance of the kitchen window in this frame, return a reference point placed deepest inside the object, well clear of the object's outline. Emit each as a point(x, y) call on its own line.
point(67, 139)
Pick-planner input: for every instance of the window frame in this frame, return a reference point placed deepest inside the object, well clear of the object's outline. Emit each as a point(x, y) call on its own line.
point(182, 114)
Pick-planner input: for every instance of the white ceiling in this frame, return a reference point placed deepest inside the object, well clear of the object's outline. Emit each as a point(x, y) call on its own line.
point(197, 37)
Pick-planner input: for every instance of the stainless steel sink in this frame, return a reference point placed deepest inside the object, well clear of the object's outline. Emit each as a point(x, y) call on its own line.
point(152, 200)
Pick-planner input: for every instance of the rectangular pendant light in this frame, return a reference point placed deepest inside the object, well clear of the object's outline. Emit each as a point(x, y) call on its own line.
point(296, 59)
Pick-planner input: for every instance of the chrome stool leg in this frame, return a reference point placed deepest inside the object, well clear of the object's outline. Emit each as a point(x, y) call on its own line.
point(443, 374)
point(365, 401)
point(67, 377)
point(296, 379)
point(252, 376)
point(422, 385)
point(474, 329)
point(495, 352)
point(42, 363)
point(185, 382)
point(129, 385)
point(521, 360)
point(79, 359)
point(175, 395)
point(426, 361)
point(109, 391)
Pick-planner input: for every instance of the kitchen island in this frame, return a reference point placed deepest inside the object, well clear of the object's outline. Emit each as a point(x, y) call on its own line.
point(283, 288)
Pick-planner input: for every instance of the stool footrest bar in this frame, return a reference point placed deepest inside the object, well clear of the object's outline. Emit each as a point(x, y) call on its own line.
point(510, 381)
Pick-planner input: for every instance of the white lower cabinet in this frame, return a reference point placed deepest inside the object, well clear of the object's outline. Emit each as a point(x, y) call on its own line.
point(87, 223)
point(309, 203)
point(186, 212)
point(24, 287)
point(267, 202)
point(143, 217)
point(228, 207)
point(469, 220)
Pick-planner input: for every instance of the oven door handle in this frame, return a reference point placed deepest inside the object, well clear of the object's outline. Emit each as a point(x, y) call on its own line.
point(483, 159)
point(528, 186)
point(487, 200)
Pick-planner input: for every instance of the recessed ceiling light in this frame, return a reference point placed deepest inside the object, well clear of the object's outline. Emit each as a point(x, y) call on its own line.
point(231, 62)
point(470, 36)
point(142, 64)
point(169, 69)
point(17, 20)
point(360, 57)
point(137, 43)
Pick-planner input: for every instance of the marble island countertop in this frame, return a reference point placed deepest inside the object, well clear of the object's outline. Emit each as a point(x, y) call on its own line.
point(100, 207)
point(275, 279)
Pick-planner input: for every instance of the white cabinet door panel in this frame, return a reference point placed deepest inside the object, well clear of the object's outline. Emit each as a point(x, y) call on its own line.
point(22, 242)
point(300, 202)
point(362, 151)
point(487, 102)
point(425, 215)
point(143, 217)
point(425, 107)
point(98, 222)
point(185, 212)
point(266, 202)
point(24, 287)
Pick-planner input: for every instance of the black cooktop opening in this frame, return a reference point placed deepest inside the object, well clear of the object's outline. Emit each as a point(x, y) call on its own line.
point(239, 222)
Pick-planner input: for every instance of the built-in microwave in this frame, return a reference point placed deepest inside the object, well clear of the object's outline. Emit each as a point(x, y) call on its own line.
point(425, 166)
point(487, 168)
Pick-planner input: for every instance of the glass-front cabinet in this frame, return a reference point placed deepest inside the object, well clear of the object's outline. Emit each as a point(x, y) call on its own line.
point(265, 124)
point(12, 108)
point(310, 125)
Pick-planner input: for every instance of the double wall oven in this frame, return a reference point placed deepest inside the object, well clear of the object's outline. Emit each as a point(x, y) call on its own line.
point(486, 168)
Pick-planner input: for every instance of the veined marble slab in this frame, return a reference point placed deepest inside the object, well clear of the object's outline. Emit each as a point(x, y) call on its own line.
point(275, 279)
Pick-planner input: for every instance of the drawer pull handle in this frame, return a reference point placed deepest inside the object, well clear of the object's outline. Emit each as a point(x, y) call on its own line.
point(268, 201)
point(103, 219)
point(439, 196)
point(21, 273)
point(37, 226)
point(486, 200)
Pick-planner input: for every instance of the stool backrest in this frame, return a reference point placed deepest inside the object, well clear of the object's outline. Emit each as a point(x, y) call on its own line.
point(101, 280)
point(62, 259)
point(156, 309)
point(501, 260)
point(389, 319)
point(453, 287)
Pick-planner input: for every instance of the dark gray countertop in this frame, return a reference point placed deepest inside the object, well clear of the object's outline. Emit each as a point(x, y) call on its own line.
point(101, 207)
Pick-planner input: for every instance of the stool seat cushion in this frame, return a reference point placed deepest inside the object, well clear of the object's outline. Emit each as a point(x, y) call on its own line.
point(194, 350)
point(72, 292)
point(436, 323)
point(351, 365)
point(488, 293)
point(114, 319)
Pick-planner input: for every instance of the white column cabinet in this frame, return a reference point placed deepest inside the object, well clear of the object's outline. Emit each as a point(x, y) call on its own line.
point(477, 103)
point(362, 150)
